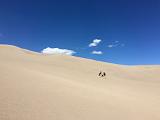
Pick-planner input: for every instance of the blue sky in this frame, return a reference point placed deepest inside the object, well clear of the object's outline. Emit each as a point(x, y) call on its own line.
point(129, 30)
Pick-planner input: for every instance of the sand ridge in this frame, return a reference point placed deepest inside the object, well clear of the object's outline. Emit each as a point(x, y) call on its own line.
point(35, 86)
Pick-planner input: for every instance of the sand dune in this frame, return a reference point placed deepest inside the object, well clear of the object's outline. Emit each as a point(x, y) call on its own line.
point(58, 87)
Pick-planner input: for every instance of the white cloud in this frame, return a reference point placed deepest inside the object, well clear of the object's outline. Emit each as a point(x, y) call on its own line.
point(97, 52)
point(110, 46)
point(115, 44)
point(49, 50)
point(95, 42)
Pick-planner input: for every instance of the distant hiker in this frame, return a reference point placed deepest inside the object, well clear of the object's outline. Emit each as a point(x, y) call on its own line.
point(104, 74)
point(100, 73)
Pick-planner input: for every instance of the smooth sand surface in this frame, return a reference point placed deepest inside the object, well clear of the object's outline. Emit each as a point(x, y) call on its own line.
point(58, 87)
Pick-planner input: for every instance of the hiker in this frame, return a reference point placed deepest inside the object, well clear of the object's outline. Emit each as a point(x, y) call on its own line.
point(100, 73)
point(104, 74)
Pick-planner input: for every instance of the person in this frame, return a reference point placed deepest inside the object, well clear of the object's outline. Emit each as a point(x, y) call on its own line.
point(100, 73)
point(104, 74)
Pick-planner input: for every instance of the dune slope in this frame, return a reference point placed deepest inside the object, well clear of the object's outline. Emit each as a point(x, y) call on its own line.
point(57, 87)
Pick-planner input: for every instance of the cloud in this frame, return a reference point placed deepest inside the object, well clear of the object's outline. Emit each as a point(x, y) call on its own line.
point(95, 42)
point(115, 44)
point(97, 52)
point(110, 46)
point(49, 50)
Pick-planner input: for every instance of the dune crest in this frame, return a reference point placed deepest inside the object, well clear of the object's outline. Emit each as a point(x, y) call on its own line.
point(34, 86)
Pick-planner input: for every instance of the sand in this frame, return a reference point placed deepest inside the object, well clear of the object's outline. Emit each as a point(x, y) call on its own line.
point(34, 86)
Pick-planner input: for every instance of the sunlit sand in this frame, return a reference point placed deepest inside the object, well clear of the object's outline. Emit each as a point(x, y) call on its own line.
point(34, 86)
